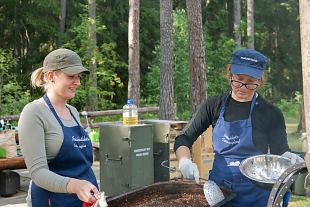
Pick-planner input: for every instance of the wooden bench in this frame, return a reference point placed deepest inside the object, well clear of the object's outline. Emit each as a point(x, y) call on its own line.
point(12, 163)
point(10, 180)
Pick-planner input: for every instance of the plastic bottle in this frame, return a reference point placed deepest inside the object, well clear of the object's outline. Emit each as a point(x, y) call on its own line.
point(130, 113)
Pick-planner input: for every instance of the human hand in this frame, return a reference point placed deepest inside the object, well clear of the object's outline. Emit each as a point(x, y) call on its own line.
point(84, 189)
point(189, 169)
point(293, 157)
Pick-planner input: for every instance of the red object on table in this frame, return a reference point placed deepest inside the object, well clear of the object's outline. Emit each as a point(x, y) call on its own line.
point(88, 204)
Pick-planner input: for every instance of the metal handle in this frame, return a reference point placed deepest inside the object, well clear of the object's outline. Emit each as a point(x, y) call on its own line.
point(204, 179)
point(171, 169)
point(114, 159)
point(160, 152)
point(305, 184)
point(127, 139)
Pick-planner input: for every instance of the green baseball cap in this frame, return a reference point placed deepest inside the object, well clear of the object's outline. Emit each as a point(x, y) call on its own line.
point(65, 60)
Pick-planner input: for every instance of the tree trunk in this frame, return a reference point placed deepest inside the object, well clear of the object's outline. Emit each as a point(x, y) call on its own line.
point(167, 109)
point(250, 23)
point(304, 8)
point(92, 48)
point(1, 84)
point(62, 18)
point(302, 124)
point(229, 6)
point(198, 78)
point(134, 51)
point(237, 19)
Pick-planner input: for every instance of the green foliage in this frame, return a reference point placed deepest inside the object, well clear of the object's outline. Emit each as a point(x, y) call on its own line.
point(29, 32)
point(33, 32)
point(12, 96)
point(218, 54)
point(215, 18)
point(108, 67)
point(290, 107)
point(114, 14)
point(265, 89)
point(277, 36)
point(180, 62)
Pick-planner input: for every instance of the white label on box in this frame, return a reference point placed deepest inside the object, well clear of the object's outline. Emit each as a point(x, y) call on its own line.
point(142, 152)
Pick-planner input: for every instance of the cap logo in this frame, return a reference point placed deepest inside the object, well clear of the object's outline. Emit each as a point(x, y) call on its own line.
point(250, 59)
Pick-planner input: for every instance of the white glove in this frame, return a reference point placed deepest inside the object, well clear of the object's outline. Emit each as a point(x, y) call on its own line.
point(189, 169)
point(293, 157)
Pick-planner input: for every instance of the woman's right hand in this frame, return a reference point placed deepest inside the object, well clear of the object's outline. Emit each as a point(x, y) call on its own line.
point(189, 169)
point(85, 190)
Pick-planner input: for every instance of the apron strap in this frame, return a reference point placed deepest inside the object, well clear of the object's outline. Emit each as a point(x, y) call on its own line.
point(48, 102)
point(226, 103)
point(73, 116)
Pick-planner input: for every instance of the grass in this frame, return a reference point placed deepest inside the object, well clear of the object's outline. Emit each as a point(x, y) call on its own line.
point(296, 144)
point(299, 201)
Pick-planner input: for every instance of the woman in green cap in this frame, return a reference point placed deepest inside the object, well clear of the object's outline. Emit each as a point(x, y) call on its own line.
point(57, 150)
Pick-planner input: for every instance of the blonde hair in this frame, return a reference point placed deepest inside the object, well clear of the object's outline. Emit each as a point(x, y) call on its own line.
point(39, 79)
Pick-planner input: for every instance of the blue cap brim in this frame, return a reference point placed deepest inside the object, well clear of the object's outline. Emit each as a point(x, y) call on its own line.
point(245, 70)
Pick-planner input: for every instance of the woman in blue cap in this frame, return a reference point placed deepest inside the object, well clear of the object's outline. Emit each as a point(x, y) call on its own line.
point(57, 150)
point(244, 124)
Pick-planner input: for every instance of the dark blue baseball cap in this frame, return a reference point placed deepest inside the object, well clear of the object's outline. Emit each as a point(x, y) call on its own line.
point(248, 62)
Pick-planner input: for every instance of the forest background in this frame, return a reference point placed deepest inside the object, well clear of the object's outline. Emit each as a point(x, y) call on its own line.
point(30, 29)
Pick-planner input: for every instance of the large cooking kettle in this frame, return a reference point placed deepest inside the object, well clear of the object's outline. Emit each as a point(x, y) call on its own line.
point(272, 172)
point(264, 170)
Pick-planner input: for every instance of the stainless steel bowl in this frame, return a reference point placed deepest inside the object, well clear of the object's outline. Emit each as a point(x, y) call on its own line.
point(264, 170)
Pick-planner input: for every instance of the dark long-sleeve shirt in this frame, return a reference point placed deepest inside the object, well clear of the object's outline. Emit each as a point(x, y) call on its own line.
point(269, 131)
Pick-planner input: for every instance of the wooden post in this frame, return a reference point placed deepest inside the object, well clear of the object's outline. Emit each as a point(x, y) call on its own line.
point(202, 153)
point(304, 8)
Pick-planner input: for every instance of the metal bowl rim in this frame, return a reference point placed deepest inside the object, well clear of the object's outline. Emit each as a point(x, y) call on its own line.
point(241, 166)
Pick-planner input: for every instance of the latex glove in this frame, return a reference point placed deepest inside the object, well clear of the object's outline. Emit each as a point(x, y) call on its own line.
point(189, 169)
point(293, 157)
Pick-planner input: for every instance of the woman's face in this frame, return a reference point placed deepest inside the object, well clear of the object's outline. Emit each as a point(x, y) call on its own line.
point(243, 87)
point(65, 85)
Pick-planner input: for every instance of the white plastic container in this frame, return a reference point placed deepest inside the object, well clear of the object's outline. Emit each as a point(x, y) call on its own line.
point(130, 113)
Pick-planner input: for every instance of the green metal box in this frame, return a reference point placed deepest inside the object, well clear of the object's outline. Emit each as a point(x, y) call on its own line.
point(126, 157)
point(165, 162)
point(161, 136)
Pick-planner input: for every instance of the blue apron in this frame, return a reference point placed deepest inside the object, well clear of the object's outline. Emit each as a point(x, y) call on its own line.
point(232, 142)
point(74, 160)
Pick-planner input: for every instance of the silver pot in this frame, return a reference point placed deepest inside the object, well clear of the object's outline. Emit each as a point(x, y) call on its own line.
point(264, 170)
